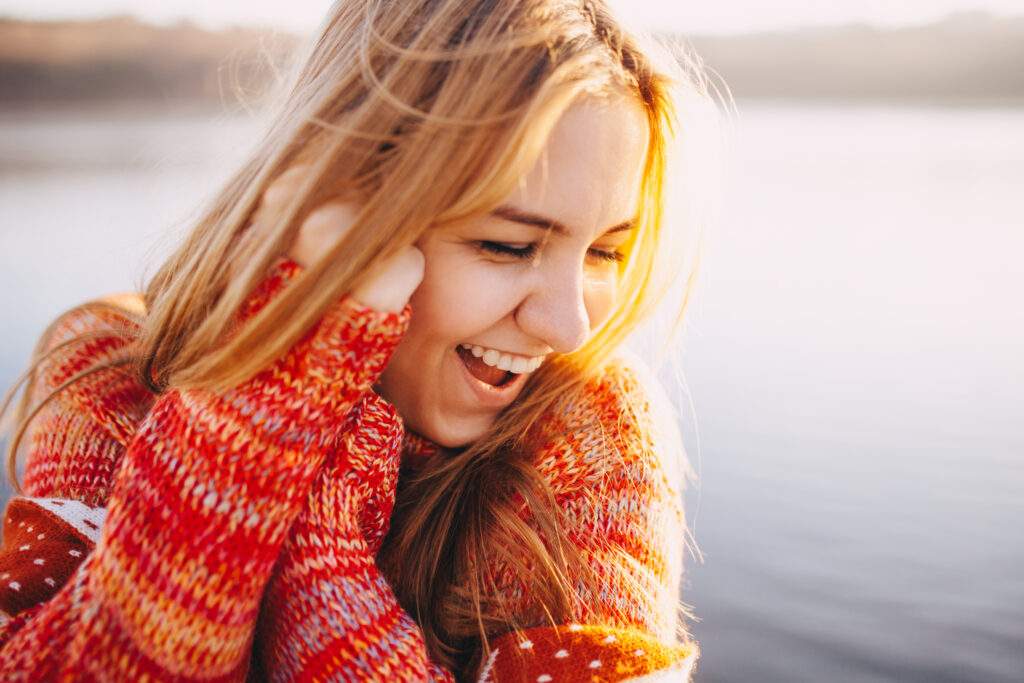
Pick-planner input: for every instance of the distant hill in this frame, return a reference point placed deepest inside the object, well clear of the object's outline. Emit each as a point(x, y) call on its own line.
point(124, 59)
point(968, 57)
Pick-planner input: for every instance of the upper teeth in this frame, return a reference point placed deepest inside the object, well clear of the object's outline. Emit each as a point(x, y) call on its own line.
point(505, 361)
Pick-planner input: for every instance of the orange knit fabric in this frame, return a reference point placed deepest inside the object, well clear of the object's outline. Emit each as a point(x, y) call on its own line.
point(616, 501)
point(236, 532)
point(594, 654)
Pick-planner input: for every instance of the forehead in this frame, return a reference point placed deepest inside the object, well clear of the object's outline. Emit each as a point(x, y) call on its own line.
point(588, 177)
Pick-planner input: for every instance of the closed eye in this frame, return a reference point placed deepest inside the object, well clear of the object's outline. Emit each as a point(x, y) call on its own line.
point(523, 253)
point(527, 252)
point(612, 256)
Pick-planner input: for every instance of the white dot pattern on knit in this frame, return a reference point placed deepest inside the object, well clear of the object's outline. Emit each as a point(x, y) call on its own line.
point(563, 653)
point(598, 654)
point(85, 519)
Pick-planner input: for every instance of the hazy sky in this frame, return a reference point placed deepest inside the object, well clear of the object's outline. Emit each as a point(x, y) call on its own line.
point(709, 16)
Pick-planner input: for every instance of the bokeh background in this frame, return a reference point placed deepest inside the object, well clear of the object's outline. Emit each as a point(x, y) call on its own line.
point(854, 354)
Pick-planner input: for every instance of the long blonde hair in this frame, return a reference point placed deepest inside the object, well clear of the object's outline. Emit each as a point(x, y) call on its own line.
point(425, 113)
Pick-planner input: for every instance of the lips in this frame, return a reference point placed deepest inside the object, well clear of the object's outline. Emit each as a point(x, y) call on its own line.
point(482, 371)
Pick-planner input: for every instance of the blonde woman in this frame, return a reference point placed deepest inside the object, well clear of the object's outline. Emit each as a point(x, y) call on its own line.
point(368, 422)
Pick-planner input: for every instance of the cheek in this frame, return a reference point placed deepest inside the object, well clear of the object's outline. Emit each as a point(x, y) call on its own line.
point(599, 297)
point(442, 306)
point(458, 298)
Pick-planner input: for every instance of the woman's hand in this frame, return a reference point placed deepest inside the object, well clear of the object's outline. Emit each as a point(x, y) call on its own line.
point(387, 287)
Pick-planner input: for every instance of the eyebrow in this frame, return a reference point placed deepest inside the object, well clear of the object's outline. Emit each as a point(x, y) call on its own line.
point(517, 216)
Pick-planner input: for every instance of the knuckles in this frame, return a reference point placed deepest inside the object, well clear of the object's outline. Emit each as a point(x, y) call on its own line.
point(389, 286)
point(321, 230)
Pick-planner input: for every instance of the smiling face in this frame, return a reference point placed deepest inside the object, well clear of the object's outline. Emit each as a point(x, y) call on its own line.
point(534, 277)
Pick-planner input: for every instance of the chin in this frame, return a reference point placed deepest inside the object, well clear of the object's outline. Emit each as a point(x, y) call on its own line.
point(449, 433)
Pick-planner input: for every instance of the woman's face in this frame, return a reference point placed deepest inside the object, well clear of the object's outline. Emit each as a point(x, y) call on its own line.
point(536, 276)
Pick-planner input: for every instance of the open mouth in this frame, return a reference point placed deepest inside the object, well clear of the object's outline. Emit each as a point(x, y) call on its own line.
point(487, 374)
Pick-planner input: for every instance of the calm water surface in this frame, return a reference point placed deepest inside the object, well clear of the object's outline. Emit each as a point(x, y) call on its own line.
point(854, 360)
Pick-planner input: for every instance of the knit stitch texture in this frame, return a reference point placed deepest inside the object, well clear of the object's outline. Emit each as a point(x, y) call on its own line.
point(229, 536)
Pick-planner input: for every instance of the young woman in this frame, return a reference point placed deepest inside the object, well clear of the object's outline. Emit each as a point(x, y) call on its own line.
point(368, 422)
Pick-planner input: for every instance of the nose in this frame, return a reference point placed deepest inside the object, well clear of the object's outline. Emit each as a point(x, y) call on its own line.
point(555, 310)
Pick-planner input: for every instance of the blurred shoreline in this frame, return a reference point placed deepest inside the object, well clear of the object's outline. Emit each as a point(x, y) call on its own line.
point(124, 60)
point(966, 59)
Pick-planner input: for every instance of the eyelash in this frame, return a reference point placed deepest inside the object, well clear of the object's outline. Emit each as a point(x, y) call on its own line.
point(529, 251)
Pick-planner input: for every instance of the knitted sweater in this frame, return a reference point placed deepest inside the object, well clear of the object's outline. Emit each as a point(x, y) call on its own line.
point(227, 536)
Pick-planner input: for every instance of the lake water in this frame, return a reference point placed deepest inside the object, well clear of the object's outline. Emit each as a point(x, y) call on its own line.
point(854, 359)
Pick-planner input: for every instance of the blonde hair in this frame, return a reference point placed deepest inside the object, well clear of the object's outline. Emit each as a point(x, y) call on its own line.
point(424, 113)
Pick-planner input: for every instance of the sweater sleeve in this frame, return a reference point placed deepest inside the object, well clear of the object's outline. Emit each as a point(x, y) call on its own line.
point(606, 454)
point(200, 506)
point(328, 613)
point(77, 440)
point(73, 445)
point(608, 459)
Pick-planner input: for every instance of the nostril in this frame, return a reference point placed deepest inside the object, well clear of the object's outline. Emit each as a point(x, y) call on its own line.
point(555, 312)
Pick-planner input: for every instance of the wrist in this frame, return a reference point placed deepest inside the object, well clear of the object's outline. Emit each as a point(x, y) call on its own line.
point(354, 341)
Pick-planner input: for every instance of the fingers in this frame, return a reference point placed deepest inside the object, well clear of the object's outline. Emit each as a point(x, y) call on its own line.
point(275, 198)
point(283, 188)
point(389, 286)
point(321, 230)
